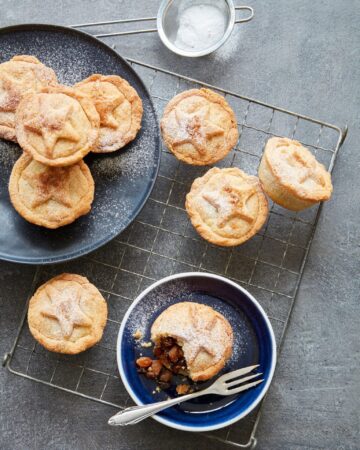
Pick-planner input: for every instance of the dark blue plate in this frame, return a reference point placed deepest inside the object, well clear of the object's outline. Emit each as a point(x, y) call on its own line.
point(254, 343)
point(123, 179)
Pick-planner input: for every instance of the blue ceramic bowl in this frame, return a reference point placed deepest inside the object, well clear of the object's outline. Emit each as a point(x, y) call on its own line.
point(254, 343)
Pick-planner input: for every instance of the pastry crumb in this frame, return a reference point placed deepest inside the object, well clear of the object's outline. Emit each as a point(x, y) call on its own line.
point(146, 344)
point(182, 389)
point(158, 389)
point(138, 334)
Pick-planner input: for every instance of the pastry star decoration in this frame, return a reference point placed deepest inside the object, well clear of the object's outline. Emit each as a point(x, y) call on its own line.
point(53, 124)
point(309, 170)
point(230, 203)
point(106, 107)
point(64, 307)
point(51, 184)
point(9, 93)
point(201, 339)
point(195, 128)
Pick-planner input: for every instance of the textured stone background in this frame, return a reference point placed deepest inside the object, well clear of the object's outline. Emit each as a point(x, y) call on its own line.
point(301, 55)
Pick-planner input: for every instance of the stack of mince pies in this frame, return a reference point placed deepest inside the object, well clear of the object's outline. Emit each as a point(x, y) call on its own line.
point(57, 126)
point(227, 206)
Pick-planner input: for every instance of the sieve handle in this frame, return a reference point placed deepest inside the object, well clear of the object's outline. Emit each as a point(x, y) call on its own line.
point(246, 19)
point(119, 21)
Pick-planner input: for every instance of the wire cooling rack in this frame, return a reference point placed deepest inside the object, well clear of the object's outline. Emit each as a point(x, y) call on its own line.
point(162, 242)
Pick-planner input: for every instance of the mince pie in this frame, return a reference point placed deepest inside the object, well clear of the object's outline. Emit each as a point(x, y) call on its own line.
point(57, 126)
point(226, 206)
point(199, 127)
point(67, 314)
point(22, 75)
point(291, 175)
point(50, 196)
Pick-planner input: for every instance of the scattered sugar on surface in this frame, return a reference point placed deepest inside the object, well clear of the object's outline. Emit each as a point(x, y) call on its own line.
point(110, 214)
point(231, 48)
point(156, 301)
point(9, 154)
point(136, 161)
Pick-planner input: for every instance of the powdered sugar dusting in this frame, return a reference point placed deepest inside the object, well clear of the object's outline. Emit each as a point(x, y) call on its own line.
point(133, 161)
point(157, 299)
point(220, 202)
point(9, 154)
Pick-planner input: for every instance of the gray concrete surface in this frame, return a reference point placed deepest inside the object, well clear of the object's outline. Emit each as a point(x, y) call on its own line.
point(302, 55)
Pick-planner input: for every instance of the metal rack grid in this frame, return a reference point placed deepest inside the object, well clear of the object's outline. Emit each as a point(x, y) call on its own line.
point(162, 242)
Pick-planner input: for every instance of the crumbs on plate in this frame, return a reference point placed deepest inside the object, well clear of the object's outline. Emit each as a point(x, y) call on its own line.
point(138, 334)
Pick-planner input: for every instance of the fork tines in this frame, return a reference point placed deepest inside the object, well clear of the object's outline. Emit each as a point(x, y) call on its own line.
point(234, 381)
point(241, 380)
point(237, 373)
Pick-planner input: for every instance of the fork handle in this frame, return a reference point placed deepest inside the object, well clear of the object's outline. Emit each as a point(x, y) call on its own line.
point(135, 414)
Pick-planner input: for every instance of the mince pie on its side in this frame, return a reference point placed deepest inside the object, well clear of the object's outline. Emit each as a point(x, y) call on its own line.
point(291, 175)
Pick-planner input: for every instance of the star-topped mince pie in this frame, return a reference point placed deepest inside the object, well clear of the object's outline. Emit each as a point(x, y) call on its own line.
point(50, 196)
point(199, 127)
point(21, 75)
point(120, 109)
point(291, 175)
point(67, 314)
point(57, 126)
point(193, 336)
point(227, 206)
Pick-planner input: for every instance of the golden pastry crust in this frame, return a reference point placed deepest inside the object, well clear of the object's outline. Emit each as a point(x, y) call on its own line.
point(57, 126)
point(204, 334)
point(119, 107)
point(291, 175)
point(67, 314)
point(199, 127)
point(226, 206)
point(50, 196)
point(21, 75)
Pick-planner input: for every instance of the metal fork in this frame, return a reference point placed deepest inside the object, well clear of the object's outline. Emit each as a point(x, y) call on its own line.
point(227, 384)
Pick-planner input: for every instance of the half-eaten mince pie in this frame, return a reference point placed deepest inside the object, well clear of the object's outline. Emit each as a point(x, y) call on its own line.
point(190, 339)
